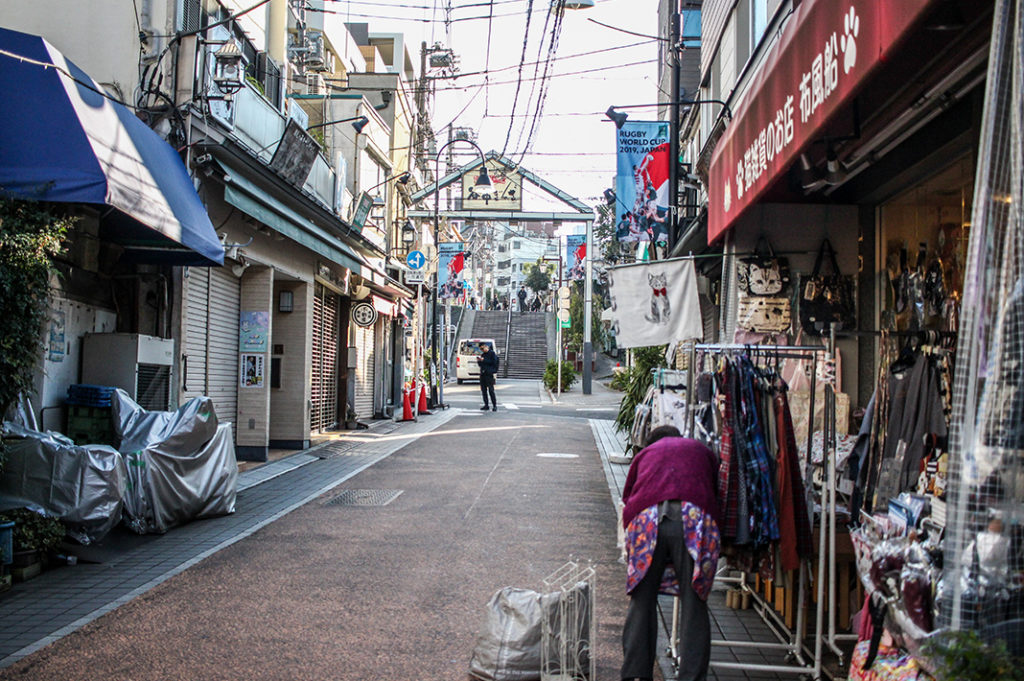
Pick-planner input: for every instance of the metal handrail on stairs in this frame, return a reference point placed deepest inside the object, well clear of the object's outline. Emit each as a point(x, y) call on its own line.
point(508, 336)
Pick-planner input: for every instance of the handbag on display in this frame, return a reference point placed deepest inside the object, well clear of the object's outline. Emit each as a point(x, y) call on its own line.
point(763, 314)
point(827, 298)
point(763, 274)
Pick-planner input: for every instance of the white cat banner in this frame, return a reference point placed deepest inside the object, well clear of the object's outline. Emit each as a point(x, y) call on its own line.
point(655, 303)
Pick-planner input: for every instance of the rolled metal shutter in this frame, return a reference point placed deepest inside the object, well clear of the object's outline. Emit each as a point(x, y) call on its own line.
point(365, 359)
point(213, 300)
point(324, 370)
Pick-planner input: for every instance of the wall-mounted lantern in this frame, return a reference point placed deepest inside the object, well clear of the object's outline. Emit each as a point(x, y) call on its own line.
point(229, 68)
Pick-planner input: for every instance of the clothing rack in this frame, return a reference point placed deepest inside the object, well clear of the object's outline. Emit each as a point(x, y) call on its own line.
point(670, 379)
point(789, 640)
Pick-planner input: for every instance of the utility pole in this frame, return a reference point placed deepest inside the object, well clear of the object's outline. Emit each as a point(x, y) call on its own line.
point(673, 128)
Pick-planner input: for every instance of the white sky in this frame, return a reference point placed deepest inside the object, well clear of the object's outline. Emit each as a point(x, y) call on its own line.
point(573, 144)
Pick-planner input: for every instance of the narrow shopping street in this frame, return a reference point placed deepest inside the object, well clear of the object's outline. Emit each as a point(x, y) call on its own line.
point(512, 340)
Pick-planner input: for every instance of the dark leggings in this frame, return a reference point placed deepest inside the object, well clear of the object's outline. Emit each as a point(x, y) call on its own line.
point(640, 633)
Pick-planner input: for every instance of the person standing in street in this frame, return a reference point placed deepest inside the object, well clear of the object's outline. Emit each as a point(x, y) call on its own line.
point(488, 361)
point(522, 299)
point(671, 517)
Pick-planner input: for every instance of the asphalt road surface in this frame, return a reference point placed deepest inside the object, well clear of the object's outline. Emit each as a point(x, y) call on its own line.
point(358, 593)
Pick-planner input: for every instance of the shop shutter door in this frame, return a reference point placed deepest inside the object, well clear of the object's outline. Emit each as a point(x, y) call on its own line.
point(324, 379)
point(364, 371)
point(197, 315)
point(213, 301)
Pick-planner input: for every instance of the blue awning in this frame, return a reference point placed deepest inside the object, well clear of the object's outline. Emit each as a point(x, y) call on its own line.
point(64, 142)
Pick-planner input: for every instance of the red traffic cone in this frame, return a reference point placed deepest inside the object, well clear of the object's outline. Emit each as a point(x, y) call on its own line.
point(407, 412)
point(422, 407)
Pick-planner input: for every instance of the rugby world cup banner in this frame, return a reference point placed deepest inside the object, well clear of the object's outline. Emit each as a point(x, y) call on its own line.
point(654, 303)
point(575, 253)
point(451, 260)
point(641, 181)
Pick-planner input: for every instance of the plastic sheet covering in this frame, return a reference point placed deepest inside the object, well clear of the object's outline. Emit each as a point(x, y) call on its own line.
point(83, 486)
point(181, 464)
point(508, 647)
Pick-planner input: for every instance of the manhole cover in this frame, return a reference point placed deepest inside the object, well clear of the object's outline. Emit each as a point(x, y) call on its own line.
point(365, 497)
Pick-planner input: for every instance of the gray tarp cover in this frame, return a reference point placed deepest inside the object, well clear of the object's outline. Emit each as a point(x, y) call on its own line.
point(181, 464)
point(82, 485)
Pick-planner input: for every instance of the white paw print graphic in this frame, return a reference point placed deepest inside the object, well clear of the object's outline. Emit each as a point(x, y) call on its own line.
point(851, 27)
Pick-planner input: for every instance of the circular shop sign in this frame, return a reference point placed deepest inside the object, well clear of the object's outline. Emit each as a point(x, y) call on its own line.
point(364, 314)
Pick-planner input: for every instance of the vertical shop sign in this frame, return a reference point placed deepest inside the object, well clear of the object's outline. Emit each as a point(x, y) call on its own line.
point(641, 181)
point(253, 331)
point(56, 344)
point(251, 371)
point(450, 265)
point(575, 253)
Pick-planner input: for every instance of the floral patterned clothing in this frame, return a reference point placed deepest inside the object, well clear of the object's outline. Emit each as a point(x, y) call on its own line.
point(703, 543)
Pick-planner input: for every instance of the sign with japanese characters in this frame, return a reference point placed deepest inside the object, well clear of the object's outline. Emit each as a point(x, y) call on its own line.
point(506, 188)
point(824, 54)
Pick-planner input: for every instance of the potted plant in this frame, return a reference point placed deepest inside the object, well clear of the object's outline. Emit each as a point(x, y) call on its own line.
point(351, 419)
point(35, 536)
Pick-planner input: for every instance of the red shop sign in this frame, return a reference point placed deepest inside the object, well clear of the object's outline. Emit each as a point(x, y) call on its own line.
point(827, 49)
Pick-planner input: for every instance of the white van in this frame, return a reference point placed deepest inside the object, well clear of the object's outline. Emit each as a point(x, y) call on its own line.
point(466, 367)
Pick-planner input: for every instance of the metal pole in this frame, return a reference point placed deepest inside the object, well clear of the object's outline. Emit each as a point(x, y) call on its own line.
point(588, 295)
point(436, 387)
point(435, 378)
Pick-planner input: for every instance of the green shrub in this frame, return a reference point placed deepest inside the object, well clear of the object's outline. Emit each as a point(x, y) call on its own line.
point(34, 531)
point(551, 375)
point(637, 383)
point(620, 380)
point(963, 656)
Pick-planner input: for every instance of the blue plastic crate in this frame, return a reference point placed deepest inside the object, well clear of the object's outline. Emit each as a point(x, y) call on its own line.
point(90, 395)
point(6, 543)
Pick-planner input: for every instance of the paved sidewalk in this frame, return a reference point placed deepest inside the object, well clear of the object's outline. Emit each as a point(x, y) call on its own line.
point(51, 606)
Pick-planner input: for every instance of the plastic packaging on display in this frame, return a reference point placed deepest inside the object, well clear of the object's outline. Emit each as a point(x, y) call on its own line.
point(181, 464)
point(83, 486)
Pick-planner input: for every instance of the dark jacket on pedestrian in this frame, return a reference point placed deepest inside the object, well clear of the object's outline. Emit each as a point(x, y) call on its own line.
point(488, 362)
point(672, 469)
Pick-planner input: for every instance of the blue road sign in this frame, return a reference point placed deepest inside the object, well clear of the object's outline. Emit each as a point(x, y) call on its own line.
point(415, 260)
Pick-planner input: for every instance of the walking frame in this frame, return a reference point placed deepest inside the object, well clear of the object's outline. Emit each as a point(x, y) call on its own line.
point(804, 661)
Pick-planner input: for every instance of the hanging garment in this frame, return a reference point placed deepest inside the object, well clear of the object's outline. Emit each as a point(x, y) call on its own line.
point(915, 411)
point(763, 516)
point(795, 538)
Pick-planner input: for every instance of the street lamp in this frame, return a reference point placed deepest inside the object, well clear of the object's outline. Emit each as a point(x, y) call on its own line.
point(358, 122)
point(483, 187)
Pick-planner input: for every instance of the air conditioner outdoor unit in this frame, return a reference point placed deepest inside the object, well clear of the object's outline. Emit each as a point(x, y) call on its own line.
point(315, 84)
point(316, 58)
point(138, 364)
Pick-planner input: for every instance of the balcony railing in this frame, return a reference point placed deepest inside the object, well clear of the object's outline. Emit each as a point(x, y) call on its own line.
point(259, 126)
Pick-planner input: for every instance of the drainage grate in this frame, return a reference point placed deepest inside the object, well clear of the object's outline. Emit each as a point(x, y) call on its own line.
point(364, 497)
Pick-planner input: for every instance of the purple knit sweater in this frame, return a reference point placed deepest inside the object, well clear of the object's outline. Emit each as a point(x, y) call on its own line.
point(672, 469)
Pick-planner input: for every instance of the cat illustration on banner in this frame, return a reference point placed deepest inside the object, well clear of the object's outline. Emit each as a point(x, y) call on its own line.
point(661, 310)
